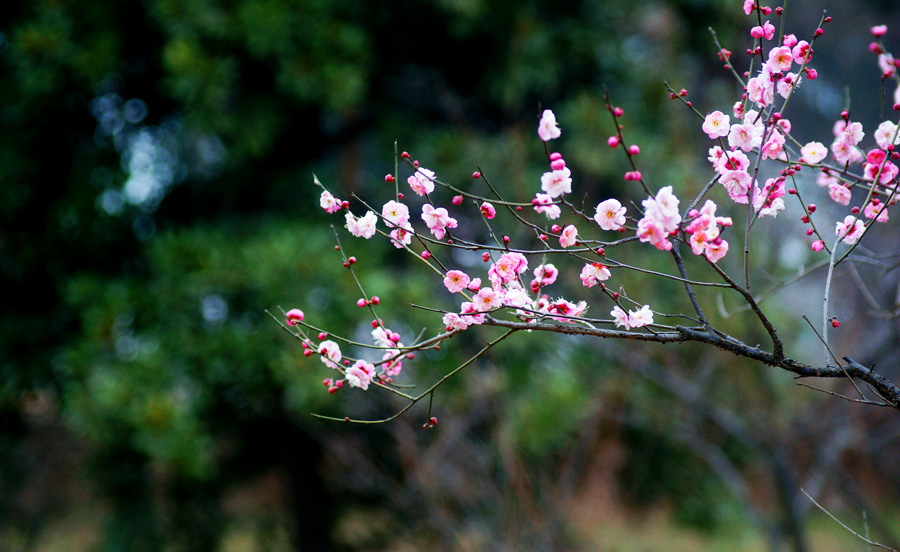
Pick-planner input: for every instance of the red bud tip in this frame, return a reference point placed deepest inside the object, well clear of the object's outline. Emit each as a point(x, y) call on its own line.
point(351, 260)
point(404, 155)
point(345, 204)
point(811, 208)
point(426, 254)
point(613, 141)
point(375, 300)
point(618, 111)
point(322, 335)
point(835, 323)
point(518, 208)
point(388, 178)
point(476, 175)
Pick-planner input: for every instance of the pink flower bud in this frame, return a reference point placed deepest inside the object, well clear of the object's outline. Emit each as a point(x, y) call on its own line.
point(835, 323)
point(307, 352)
point(375, 300)
point(558, 165)
point(555, 155)
point(322, 335)
point(476, 175)
point(818, 246)
point(388, 178)
point(361, 303)
point(294, 317)
point(485, 256)
point(457, 200)
point(618, 112)
point(426, 254)
point(634, 149)
point(613, 141)
point(811, 74)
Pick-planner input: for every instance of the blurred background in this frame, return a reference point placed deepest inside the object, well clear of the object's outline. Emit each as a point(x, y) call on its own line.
point(156, 197)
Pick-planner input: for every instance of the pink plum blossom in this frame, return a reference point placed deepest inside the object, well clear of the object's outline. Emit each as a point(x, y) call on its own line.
point(437, 220)
point(610, 214)
point(569, 235)
point(329, 202)
point(456, 281)
point(543, 204)
point(544, 275)
point(814, 152)
point(875, 208)
point(548, 129)
point(716, 249)
point(745, 136)
point(738, 184)
point(401, 236)
point(295, 316)
point(780, 59)
point(839, 194)
point(422, 182)
point(360, 374)
point(395, 213)
point(363, 227)
point(850, 230)
point(331, 353)
point(453, 321)
point(879, 30)
point(620, 317)
point(557, 183)
point(594, 273)
point(641, 317)
point(886, 134)
point(716, 125)
point(488, 211)
point(486, 299)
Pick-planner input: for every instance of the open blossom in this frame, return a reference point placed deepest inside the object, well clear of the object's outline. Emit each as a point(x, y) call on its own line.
point(329, 202)
point(634, 318)
point(716, 125)
point(507, 268)
point(650, 231)
point(456, 281)
point(569, 235)
point(852, 133)
point(543, 204)
point(738, 184)
point(548, 129)
point(732, 161)
point(813, 152)
point(641, 317)
point(384, 337)
point(850, 230)
point(843, 151)
point(769, 201)
point(515, 296)
point(620, 317)
point(875, 208)
point(888, 171)
point(568, 309)
point(885, 134)
point(453, 321)
point(839, 193)
point(761, 91)
point(401, 236)
point(745, 136)
point(610, 215)
point(784, 86)
point(773, 146)
point(360, 374)
point(594, 273)
point(544, 275)
point(422, 182)
point(396, 213)
point(486, 299)
point(663, 209)
point(780, 59)
point(331, 353)
point(437, 220)
point(716, 249)
point(488, 211)
point(557, 183)
point(363, 227)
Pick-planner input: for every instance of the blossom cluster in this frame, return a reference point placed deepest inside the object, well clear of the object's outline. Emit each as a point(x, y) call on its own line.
point(749, 138)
